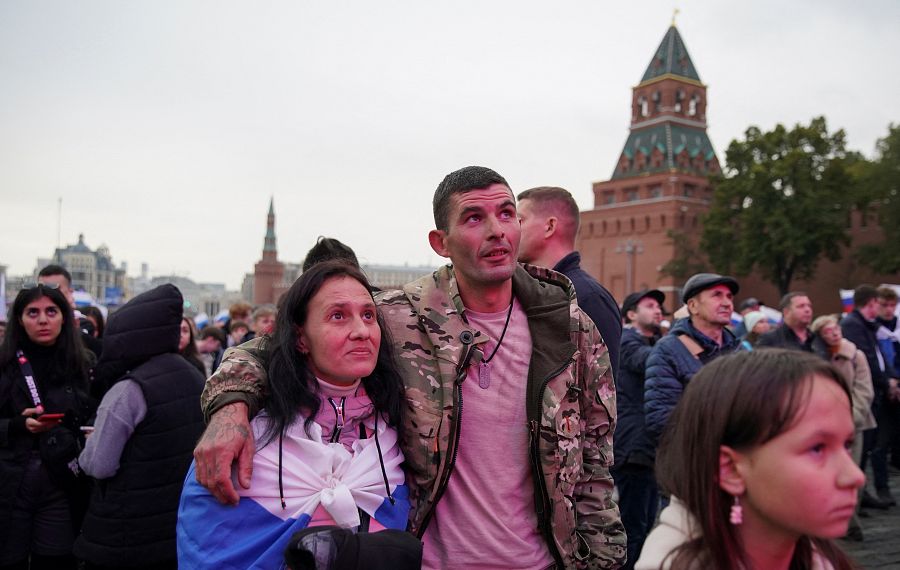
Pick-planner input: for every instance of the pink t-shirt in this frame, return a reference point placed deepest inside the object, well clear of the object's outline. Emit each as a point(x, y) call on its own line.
point(486, 517)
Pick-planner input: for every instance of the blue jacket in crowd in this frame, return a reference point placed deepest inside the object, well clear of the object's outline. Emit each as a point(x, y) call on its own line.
point(671, 366)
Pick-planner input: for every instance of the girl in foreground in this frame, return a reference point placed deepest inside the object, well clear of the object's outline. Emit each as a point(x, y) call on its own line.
point(758, 464)
point(327, 448)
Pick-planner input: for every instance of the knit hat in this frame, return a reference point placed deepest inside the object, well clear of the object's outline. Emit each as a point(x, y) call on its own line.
point(752, 318)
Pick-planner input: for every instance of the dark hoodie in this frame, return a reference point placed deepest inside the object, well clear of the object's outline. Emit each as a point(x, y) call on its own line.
point(132, 515)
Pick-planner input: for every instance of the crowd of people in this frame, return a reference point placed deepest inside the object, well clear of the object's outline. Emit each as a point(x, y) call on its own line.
point(336, 434)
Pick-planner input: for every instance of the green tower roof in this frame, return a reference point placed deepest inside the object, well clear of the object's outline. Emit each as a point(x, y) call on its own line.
point(670, 139)
point(671, 58)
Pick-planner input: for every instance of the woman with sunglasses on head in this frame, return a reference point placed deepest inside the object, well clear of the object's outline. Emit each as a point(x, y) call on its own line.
point(43, 400)
point(757, 462)
point(328, 460)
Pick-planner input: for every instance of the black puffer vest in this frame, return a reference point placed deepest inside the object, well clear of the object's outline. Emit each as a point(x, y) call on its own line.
point(131, 517)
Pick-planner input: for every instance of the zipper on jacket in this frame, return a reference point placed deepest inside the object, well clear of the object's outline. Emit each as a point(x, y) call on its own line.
point(456, 429)
point(454, 439)
point(544, 516)
point(338, 419)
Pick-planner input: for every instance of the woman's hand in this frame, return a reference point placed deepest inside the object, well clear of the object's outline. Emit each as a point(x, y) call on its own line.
point(227, 439)
point(34, 426)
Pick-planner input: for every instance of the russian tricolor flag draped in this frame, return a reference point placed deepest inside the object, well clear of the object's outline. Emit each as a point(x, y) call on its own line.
point(254, 533)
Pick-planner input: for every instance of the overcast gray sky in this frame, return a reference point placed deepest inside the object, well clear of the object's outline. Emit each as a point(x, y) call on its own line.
point(166, 125)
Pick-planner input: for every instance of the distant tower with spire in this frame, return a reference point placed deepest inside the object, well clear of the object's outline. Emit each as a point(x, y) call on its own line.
point(659, 185)
point(268, 273)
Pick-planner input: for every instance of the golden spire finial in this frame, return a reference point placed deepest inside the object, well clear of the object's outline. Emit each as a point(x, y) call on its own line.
point(674, 14)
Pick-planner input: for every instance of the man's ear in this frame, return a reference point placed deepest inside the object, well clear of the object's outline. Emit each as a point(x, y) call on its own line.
point(550, 226)
point(436, 239)
point(730, 466)
point(691, 305)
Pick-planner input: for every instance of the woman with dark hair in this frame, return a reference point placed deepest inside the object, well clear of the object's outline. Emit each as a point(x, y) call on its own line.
point(43, 402)
point(757, 462)
point(328, 454)
point(95, 316)
point(187, 344)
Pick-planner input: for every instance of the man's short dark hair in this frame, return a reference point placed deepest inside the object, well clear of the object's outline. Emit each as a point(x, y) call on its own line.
point(887, 294)
point(863, 294)
point(789, 298)
point(216, 332)
point(328, 248)
point(52, 270)
point(457, 182)
point(560, 200)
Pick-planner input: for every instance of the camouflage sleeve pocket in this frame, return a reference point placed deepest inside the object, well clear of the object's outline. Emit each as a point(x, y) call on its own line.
point(421, 427)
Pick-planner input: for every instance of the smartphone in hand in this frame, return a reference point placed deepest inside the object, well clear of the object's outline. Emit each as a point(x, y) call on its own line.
point(43, 418)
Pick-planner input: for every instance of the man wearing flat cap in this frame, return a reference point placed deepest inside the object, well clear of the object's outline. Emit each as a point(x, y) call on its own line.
point(692, 343)
point(634, 452)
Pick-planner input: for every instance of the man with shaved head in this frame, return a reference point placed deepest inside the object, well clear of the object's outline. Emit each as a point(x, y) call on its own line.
point(550, 219)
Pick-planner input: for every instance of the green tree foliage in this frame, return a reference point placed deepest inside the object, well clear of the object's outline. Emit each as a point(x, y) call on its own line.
point(687, 259)
point(782, 204)
point(880, 188)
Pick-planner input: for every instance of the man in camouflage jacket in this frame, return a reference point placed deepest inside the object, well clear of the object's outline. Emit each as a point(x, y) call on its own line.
point(570, 401)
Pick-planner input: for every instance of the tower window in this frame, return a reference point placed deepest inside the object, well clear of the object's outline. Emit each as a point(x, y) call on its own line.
point(693, 105)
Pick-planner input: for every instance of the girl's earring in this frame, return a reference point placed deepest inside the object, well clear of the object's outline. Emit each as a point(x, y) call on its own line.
point(737, 512)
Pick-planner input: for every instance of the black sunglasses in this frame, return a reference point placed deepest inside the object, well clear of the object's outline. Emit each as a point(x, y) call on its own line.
point(32, 285)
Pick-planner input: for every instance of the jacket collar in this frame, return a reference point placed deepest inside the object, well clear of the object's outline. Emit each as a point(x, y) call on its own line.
point(545, 295)
point(871, 325)
point(568, 263)
point(685, 326)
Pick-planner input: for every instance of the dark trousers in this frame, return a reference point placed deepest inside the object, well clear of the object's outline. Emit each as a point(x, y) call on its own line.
point(638, 503)
point(40, 523)
point(876, 442)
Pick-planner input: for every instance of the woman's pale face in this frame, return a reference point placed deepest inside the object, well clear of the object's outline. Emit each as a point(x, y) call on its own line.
point(804, 481)
point(42, 321)
point(341, 336)
point(831, 334)
point(185, 337)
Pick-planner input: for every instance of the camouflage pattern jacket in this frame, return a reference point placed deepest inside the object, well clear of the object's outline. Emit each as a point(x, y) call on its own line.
point(570, 405)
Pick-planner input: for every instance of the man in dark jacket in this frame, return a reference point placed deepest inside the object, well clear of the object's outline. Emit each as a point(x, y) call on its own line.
point(691, 343)
point(549, 218)
point(889, 341)
point(794, 333)
point(859, 327)
point(146, 428)
point(633, 467)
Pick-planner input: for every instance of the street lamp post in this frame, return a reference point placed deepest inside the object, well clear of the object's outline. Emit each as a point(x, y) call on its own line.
point(630, 248)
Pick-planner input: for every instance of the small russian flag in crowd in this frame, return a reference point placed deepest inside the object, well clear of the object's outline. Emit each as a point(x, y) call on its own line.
point(847, 300)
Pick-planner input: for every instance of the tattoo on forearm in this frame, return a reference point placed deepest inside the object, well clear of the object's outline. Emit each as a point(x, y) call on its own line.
point(226, 425)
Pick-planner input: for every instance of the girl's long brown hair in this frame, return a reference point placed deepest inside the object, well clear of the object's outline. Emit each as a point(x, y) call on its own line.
point(741, 400)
